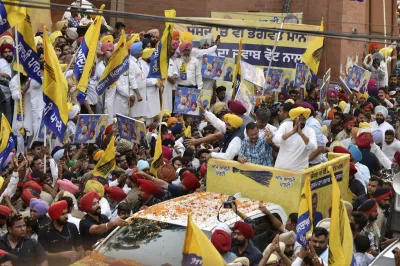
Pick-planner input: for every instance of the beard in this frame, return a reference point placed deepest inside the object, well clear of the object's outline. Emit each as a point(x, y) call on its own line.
point(371, 218)
point(389, 142)
point(319, 251)
point(380, 120)
point(8, 59)
point(239, 243)
point(96, 212)
point(289, 254)
point(62, 222)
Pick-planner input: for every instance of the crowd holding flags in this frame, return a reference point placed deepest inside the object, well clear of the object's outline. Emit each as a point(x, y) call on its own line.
point(304, 222)
point(159, 59)
point(55, 88)
point(118, 64)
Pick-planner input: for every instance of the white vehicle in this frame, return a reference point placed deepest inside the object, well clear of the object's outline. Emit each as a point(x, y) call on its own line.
point(156, 235)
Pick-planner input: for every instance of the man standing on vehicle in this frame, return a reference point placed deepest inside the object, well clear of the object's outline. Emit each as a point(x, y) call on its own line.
point(94, 225)
point(242, 246)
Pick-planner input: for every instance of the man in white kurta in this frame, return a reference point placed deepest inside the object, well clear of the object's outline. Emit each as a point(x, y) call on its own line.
point(6, 52)
point(137, 79)
point(153, 87)
point(380, 116)
point(391, 145)
point(170, 82)
point(296, 141)
point(189, 68)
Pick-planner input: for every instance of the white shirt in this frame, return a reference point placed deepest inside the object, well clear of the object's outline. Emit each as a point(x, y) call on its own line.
point(5, 68)
point(390, 150)
point(193, 71)
point(363, 174)
point(11, 187)
point(293, 153)
point(383, 127)
point(105, 207)
point(74, 220)
point(261, 132)
point(234, 145)
point(385, 162)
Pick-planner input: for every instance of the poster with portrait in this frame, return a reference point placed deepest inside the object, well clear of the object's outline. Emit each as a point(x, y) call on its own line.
point(40, 135)
point(212, 67)
point(228, 69)
point(277, 79)
point(187, 100)
point(90, 127)
point(244, 96)
point(252, 74)
point(132, 130)
point(358, 78)
point(303, 76)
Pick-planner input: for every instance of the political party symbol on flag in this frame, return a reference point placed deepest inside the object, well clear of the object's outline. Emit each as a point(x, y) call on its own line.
point(312, 55)
point(118, 64)
point(107, 162)
point(55, 89)
point(304, 222)
point(159, 59)
point(7, 140)
point(198, 249)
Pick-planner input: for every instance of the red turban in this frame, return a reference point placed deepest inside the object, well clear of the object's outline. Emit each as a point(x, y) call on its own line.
point(190, 181)
point(166, 152)
point(175, 35)
point(4, 211)
point(236, 107)
point(382, 193)
point(6, 45)
point(87, 200)
point(363, 141)
point(221, 240)
point(115, 193)
point(32, 185)
point(108, 129)
point(166, 172)
point(106, 46)
point(159, 193)
point(185, 45)
point(147, 186)
point(397, 157)
point(369, 106)
point(244, 228)
point(368, 207)
point(134, 178)
point(373, 45)
point(343, 97)
point(28, 194)
point(352, 169)
point(203, 169)
point(57, 208)
point(340, 149)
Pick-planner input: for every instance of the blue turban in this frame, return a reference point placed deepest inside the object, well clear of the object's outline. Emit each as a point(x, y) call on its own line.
point(355, 152)
point(136, 48)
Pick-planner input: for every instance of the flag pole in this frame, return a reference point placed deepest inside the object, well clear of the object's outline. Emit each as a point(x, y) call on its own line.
point(384, 20)
point(44, 144)
point(19, 77)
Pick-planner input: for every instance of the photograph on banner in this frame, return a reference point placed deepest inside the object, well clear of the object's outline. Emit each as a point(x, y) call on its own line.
point(278, 79)
point(90, 127)
point(321, 189)
point(212, 67)
point(358, 78)
point(245, 96)
point(324, 88)
point(40, 135)
point(303, 76)
point(228, 69)
point(187, 99)
point(131, 129)
point(296, 18)
point(252, 74)
point(257, 44)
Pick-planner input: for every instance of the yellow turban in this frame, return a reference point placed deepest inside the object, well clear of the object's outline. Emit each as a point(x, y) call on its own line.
point(172, 120)
point(359, 95)
point(166, 112)
point(298, 111)
point(7, 39)
point(135, 37)
point(233, 120)
point(289, 101)
point(61, 24)
point(54, 36)
point(186, 37)
point(218, 107)
point(324, 129)
point(38, 39)
point(93, 185)
point(147, 53)
point(364, 125)
point(107, 38)
point(1, 181)
point(183, 98)
point(97, 156)
point(342, 105)
point(387, 51)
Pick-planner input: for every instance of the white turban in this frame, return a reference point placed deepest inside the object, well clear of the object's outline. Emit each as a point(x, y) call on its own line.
point(72, 33)
point(74, 111)
point(57, 156)
point(382, 110)
point(223, 227)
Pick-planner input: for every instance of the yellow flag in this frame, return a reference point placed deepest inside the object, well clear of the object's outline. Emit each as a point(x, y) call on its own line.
point(158, 159)
point(340, 235)
point(87, 53)
point(7, 140)
point(55, 89)
point(187, 130)
point(198, 249)
point(107, 162)
point(304, 222)
point(118, 64)
point(11, 15)
point(238, 71)
point(312, 56)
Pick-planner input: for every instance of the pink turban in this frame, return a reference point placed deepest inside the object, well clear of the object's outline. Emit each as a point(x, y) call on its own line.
point(67, 185)
point(185, 45)
point(174, 44)
point(106, 46)
point(166, 152)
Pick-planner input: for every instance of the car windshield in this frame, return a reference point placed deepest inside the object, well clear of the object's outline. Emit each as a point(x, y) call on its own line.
point(147, 242)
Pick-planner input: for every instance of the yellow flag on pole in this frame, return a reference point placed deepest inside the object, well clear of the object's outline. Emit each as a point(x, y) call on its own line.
point(107, 162)
point(312, 55)
point(304, 221)
point(238, 71)
point(158, 159)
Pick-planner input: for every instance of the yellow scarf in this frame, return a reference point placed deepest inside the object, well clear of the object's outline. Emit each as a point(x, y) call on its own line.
point(183, 69)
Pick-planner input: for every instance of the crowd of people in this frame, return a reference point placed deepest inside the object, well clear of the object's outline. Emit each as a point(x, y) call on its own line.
point(54, 209)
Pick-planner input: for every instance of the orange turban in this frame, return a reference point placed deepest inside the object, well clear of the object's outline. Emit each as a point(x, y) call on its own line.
point(373, 45)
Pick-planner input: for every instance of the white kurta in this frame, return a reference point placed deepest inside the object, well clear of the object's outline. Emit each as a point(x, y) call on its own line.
point(391, 149)
point(27, 115)
point(137, 80)
point(169, 87)
point(5, 68)
point(37, 103)
point(193, 71)
point(152, 92)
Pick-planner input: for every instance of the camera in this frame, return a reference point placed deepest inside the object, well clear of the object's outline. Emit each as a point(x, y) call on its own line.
point(229, 202)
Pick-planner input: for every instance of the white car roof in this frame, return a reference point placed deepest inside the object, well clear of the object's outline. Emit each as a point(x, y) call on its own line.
point(203, 207)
